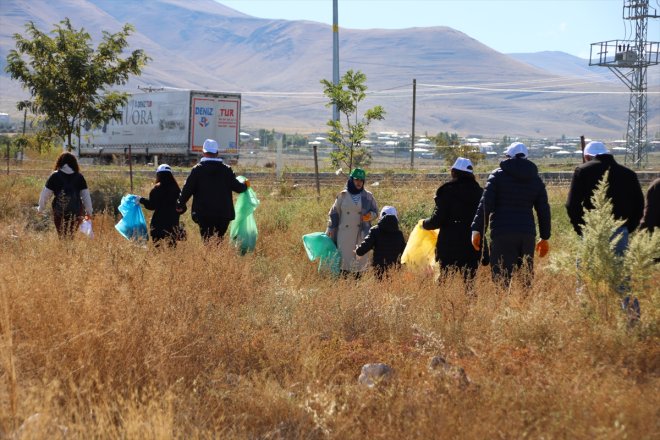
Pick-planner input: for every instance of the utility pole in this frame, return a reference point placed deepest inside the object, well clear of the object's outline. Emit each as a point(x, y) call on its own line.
point(316, 173)
point(23, 141)
point(130, 166)
point(412, 137)
point(335, 53)
point(628, 60)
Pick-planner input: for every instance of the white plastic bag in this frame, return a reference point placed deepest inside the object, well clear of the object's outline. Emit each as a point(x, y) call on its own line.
point(86, 228)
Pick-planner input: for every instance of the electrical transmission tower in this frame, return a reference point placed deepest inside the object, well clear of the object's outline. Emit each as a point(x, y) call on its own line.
point(629, 59)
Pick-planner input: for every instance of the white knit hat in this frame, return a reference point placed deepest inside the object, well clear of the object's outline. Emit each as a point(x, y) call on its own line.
point(595, 148)
point(515, 149)
point(388, 210)
point(163, 168)
point(463, 164)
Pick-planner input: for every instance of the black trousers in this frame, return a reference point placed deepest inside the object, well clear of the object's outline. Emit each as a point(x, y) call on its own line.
point(210, 227)
point(66, 224)
point(509, 252)
point(468, 268)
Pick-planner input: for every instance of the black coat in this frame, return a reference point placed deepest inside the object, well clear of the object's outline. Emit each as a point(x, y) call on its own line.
point(624, 191)
point(211, 183)
point(456, 203)
point(512, 193)
point(162, 200)
point(651, 219)
point(386, 240)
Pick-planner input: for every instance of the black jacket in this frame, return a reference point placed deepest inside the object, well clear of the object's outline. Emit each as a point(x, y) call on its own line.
point(456, 203)
point(511, 194)
point(162, 200)
point(624, 191)
point(211, 183)
point(386, 240)
point(67, 189)
point(651, 219)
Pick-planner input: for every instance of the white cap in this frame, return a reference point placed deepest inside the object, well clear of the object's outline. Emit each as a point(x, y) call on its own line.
point(515, 149)
point(388, 210)
point(463, 164)
point(595, 148)
point(163, 168)
point(210, 146)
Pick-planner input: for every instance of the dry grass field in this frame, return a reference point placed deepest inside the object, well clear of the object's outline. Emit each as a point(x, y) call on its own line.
point(105, 338)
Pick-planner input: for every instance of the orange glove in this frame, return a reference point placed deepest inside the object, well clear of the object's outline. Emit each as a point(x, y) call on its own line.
point(476, 240)
point(247, 183)
point(542, 247)
point(366, 217)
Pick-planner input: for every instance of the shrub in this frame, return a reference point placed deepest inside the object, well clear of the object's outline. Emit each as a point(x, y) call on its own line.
point(600, 268)
point(106, 193)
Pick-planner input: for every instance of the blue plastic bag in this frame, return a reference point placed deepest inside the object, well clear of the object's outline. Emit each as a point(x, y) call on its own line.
point(319, 246)
point(132, 226)
point(243, 229)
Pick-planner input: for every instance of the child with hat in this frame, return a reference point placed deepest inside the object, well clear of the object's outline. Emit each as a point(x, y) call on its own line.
point(386, 240)
point(162, 200)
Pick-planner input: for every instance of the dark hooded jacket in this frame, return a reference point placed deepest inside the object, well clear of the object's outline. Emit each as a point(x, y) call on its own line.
point(456, 203)
point(624, 191)
point(651, 219)
point(511, 194)
point(386, 240)
point(162, 200)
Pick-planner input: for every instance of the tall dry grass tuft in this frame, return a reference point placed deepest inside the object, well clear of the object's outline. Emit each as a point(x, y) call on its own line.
point(111, 339)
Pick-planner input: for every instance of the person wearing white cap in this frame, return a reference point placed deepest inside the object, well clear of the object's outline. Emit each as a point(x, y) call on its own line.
point(210, 184)
point(512, 193)
point(456, 202)
point(623, 190)
point(164, 225)
point(386, 240)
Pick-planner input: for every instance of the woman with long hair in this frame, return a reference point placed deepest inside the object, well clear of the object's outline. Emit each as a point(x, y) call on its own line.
point(162, 200)
point(71, 196)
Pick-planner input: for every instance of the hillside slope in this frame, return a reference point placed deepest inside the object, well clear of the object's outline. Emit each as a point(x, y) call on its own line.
point(462, 85)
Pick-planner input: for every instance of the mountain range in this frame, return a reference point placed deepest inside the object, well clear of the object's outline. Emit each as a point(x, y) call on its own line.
point(462, 85)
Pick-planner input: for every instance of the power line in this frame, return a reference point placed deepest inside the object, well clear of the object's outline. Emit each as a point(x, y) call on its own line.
point(566, 92)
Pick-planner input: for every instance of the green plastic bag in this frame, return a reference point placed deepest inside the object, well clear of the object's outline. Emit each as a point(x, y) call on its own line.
point(318, 245)
point(243, 229)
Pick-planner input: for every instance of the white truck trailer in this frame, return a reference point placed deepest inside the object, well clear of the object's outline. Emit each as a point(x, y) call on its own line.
point(169, 124)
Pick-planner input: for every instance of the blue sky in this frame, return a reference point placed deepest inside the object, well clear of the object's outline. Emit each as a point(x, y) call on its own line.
point(508, 26)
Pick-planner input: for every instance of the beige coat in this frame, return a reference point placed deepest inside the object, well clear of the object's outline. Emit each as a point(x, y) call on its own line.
point(348, 230)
